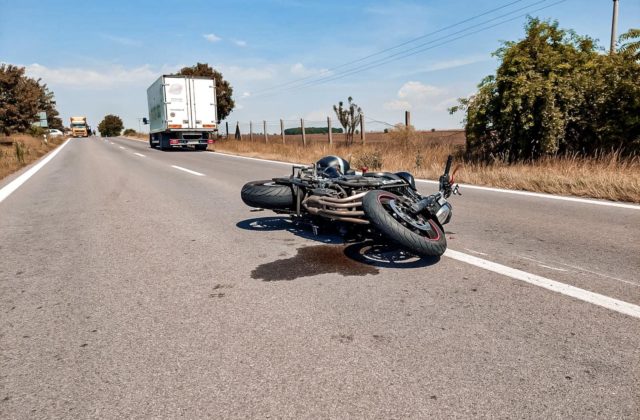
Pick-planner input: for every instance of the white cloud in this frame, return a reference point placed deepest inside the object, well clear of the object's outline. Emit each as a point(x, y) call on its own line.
point(246, 94)
point(211, 37)
point(417, 95)
point(105, 77)
point(240, 43)
point(418, 91)
point(298, 69)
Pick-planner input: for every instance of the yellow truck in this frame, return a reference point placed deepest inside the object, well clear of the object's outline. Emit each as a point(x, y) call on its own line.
point(79, 127)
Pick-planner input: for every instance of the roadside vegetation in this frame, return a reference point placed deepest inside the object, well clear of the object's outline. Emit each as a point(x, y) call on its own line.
point(608, 176)
point(560, 116)
point(22, 139)
point(110, 126)
point(20, 150)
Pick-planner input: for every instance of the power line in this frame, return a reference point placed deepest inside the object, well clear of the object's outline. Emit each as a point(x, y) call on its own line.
point(410, 52)
point(391, 48)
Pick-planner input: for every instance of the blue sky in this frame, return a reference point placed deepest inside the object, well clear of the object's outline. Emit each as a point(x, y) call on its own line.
point(99, 56)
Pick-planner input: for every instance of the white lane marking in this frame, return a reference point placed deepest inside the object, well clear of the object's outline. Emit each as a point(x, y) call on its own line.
point(139, 154)
point(565, 289)
point(16, 183)
point(476, 252)
point(478, 187)
point(582, 269)
point(111, 142)
point(123, 148)
point(187, 170)
point(541, 195)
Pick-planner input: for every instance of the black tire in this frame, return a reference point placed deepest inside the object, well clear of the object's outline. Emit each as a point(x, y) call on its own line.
point(151, 143)
point(267, 195)
point(201, 147)
point(414, 240)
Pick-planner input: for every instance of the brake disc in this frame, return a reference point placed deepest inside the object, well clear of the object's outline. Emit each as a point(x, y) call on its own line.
point(424, 226)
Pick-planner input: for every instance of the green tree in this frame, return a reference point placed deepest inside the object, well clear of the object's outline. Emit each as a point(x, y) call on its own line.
point(110, 126)
point(629, 43)
point(21, 98)
point(224, 91)
point(349, 118)
point(554, 92)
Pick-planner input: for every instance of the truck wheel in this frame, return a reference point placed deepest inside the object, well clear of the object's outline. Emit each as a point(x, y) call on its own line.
point(164, 141)
point(267, 195)
point(151, 143)
point(201, 147)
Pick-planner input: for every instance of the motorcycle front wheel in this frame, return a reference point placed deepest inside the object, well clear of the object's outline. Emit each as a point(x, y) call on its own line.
point(421, 235)
point(267, 195)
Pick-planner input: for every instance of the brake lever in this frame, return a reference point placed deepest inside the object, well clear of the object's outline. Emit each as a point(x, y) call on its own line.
point(456, 190)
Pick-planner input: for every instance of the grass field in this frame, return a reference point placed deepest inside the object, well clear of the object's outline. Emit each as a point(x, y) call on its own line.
point(424, 153)
point(608, 176)
point(20, 150)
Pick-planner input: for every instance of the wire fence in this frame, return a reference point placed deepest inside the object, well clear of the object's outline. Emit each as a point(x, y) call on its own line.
point(306, 131)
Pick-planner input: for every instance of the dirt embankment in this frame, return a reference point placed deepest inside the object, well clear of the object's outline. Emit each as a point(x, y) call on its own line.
point(18, 151)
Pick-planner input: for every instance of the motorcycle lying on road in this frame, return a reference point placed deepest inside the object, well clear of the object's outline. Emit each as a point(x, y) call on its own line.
point(383, 203)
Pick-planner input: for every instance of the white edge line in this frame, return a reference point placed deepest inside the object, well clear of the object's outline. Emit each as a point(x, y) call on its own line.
point(138, 154)
point(187, 170)
point(16, 183)
point(555, 286)
point(541, 195)
point(122, 147)
point(478, 187)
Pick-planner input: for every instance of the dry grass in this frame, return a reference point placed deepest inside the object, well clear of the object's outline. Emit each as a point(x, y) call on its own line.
point(607, 177)
point(20, 150)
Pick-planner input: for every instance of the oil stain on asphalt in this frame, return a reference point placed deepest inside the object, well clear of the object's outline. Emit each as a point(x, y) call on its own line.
point(312, 261)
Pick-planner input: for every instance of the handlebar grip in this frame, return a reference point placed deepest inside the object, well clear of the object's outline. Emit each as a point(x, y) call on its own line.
point(448, 167)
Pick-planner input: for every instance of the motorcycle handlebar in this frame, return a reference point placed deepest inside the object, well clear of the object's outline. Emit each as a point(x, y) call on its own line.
point(448, 166)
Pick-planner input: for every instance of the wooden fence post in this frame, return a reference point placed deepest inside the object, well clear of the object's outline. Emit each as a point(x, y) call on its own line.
point(226, 123)
point(362, 137)
point(251, 130)
point(304, 137)
point(407, 119)
point(282, 130)
point(264, 128)
point(329, 132)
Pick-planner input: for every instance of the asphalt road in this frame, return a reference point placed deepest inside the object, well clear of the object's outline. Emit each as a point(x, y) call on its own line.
point(131, 288)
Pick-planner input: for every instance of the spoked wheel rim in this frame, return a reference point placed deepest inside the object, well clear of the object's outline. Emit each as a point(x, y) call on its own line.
point(418, 224)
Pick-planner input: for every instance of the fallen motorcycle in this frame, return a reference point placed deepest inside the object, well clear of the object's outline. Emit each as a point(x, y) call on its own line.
point(383, 203)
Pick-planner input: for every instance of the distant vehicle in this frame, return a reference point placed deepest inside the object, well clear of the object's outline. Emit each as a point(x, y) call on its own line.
point(182, 112)
point(55, 133)
point(79, 127)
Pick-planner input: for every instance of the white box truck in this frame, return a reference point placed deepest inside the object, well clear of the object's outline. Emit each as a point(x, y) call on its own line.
point(182, 112)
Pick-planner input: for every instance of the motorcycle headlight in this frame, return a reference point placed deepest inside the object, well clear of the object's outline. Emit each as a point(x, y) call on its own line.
point(444, 213)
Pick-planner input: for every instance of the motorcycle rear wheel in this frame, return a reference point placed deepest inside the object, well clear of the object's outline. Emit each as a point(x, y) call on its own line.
point(267, 195)
point(383, 212)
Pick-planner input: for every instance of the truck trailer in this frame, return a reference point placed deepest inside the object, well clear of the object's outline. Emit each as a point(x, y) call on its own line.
point(79, 127)
point(182, 112)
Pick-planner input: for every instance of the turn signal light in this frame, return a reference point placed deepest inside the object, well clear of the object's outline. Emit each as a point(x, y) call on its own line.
point(175, 125)
point(208, 125)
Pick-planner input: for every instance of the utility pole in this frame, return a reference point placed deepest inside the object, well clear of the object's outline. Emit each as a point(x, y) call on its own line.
point(614, 27)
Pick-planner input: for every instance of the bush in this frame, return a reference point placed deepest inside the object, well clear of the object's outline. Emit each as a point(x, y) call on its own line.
point(372, 160)
point(555, 93)
point(129, 132)
point(110, 126)
point(311, 130)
